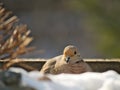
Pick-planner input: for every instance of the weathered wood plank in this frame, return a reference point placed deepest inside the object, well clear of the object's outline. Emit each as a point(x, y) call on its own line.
point(98, 65)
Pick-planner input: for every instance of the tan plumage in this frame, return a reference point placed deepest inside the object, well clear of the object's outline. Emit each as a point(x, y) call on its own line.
point(69, 62)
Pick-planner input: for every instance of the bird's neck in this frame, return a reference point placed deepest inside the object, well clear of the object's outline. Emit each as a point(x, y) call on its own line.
point(63, 60)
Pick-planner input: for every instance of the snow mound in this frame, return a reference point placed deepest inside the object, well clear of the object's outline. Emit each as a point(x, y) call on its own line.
point(109, 80)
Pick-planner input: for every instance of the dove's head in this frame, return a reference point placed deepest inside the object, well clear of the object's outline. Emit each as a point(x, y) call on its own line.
point(71, 54)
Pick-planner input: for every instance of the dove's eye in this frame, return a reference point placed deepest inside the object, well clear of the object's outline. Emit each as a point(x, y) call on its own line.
point(75, 52)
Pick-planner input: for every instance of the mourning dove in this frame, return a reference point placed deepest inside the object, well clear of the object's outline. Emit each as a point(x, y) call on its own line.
point(70, 62)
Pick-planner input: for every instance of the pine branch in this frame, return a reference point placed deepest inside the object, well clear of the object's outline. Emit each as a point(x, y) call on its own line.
point(14, 37)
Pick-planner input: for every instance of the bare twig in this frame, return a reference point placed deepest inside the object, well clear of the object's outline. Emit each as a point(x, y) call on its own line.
point(14, 38)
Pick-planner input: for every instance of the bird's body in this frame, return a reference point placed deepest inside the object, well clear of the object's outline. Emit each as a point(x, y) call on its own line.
point(69, 62)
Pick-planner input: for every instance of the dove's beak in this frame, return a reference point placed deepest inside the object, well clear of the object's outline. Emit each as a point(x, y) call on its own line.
point(67, 59)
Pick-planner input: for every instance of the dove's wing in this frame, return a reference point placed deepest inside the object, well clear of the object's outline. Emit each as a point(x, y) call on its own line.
point(49, 65)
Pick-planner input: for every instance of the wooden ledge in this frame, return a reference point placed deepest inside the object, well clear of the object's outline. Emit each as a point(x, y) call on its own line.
point(98, 65)
point(44, 60)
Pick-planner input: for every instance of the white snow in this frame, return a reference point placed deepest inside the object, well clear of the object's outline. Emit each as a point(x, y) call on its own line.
point(109, 80)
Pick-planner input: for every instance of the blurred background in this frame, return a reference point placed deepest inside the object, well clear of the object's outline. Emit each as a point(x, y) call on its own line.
point(91, 25)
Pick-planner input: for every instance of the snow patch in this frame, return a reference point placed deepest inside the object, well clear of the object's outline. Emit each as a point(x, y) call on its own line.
point(109, 80)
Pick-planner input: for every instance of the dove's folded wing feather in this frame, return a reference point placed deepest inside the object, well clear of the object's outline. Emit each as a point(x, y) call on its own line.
point(50, 64)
